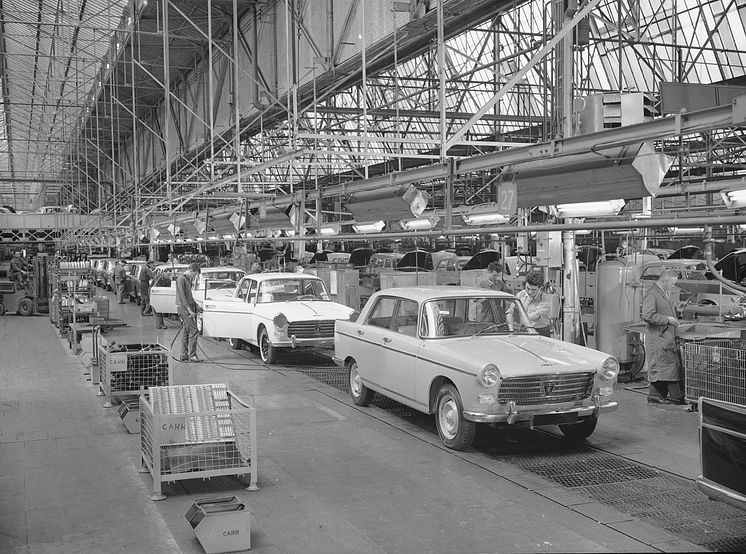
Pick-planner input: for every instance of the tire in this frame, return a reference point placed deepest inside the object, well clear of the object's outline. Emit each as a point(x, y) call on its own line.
point(579, 431)
point(266, 350)
point(455, 431)
point(236, 344)
point(361, 395)
point(2, 309)
point(25, 307)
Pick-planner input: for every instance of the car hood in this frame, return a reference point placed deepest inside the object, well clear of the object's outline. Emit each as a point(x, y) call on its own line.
point(303, 311)
point(515, 355)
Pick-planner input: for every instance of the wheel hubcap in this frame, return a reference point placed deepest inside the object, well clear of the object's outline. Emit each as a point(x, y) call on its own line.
point(355, 381)
point(449, 418)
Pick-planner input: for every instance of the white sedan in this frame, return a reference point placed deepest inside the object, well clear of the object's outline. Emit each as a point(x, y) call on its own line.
point(470, 356)
point(275, 311)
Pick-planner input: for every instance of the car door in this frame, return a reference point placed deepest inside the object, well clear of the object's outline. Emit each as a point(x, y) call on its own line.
point(230, 317)
point(390, 332)
point(163, 293)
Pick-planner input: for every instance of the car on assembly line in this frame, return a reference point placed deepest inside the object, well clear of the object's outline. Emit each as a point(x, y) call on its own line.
point(275, 312)
point(448, 270)
point(409, 344)
point(213, 283)
point(163, 287)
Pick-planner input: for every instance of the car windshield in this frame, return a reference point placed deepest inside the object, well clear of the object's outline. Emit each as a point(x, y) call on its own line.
point(221, 279)
point(286, 290)
point(449, 317)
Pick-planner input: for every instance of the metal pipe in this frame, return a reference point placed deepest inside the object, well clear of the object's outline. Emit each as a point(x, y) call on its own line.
point(711, 264)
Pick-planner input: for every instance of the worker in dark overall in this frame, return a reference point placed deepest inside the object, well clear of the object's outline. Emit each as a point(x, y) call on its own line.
point(146, 274)
point(18, 272)
point(120, 280)
point(187, 309)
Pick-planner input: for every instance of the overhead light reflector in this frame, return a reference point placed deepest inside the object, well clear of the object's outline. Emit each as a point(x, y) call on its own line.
point(591, 209)
point(734, 198)
point(375, 227)
point(420, 223)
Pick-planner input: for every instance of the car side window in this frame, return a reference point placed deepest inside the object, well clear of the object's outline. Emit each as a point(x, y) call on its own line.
point(405, 320)
point(252, 292)
point(162, 280)
point(382, 313)
point(243, 291)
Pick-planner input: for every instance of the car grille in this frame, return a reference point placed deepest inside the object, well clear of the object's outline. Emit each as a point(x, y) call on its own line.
point(546, 389)
point(312, 329)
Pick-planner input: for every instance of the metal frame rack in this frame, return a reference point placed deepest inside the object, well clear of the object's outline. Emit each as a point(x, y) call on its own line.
point(72, 283)
point(128, 369)
point(716, 369)
point(196, 431)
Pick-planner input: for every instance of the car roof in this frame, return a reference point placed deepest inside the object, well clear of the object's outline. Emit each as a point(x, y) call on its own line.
point(442, 291)
point(172, 266)
point(221, 268)
point(674, 262)
point(280, 275)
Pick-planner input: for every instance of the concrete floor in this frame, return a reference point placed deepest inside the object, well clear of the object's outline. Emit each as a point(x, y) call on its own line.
point(334, 477)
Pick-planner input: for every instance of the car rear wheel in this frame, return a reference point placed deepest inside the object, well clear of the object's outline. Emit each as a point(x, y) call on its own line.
point(25, 307)
point(361, 395)
point(267, 351)
point(579, 431)
point(2, 309)
point(235, 344)
point(455, 431)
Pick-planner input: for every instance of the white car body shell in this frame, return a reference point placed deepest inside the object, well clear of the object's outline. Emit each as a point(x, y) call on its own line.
point(163, 288)
point(238, 317)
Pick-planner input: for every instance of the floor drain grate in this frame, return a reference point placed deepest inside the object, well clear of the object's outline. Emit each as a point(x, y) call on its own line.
point(727, 545)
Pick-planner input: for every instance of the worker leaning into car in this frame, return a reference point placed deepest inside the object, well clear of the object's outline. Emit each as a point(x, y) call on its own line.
point(18, 272)
point(187, 308)
point(535, 302)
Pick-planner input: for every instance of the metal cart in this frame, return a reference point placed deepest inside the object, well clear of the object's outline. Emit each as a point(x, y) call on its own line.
point(715, 368)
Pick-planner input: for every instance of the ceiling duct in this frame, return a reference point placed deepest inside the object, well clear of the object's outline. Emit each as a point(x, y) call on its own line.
point(632, 171)
point(392, 203)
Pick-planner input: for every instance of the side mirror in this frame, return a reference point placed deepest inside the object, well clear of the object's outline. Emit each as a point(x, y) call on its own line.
point(354, 315)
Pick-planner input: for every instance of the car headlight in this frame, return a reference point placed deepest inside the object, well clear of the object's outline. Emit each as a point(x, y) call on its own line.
point(610, 368)
point(488, 376)
point(280, 320)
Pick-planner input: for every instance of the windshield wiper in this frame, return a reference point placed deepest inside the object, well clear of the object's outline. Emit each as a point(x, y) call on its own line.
point(490, 328)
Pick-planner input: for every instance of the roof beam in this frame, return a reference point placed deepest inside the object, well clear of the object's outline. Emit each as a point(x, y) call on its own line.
point(5, 90)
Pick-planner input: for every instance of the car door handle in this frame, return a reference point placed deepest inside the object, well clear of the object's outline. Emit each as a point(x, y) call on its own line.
point(209, 305)
point(386, 339)
point(360, 332)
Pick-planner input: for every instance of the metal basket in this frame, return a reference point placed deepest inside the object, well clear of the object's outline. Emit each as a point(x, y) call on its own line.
point(131, 368)
point(196, 431)
point(715, 368)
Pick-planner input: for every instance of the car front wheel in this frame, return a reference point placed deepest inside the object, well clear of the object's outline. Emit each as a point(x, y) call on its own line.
point(455, 431)
point(579, 431)
point(267, 350)
point(361, 395)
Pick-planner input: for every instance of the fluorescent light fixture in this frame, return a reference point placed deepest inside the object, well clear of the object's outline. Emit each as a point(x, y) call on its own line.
point(484, 214)
point(485, 219)
point(687, 230)
point(375, 227)
point(591, 209)
point(734, 198)
point(332, 229)
point(583, 232)
point(420, 223)
point(230, 236)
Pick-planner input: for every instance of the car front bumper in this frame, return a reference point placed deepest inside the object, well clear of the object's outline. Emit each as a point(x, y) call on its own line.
point(293, 342)
point(540, 415)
